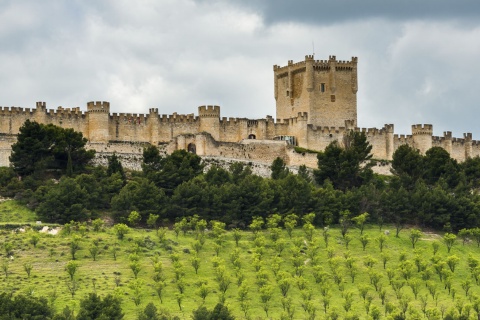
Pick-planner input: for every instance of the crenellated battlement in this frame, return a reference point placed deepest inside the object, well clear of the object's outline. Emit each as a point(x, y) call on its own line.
point(209, 111)
point(6, 111)
point(178, 118)
point(153, 111)
point(41, 105)
point(98, 106)
point(422, 129)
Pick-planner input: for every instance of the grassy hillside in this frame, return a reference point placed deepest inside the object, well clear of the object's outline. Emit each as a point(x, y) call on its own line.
point(13, 212)
point(311, 274)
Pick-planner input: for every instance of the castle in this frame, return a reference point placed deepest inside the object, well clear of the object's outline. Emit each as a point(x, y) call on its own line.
point(316, 103)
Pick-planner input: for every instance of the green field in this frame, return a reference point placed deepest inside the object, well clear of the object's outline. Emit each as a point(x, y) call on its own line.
point(310, 273)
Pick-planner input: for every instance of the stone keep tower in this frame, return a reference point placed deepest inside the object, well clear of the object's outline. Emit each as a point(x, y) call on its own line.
point(210, 120)
point(98, 116)
point(326, 89)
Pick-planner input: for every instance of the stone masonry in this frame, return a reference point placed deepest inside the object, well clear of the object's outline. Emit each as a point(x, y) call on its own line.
point(316, 103)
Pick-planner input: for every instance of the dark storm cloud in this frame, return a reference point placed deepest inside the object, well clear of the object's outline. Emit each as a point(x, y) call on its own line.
point(337, 11)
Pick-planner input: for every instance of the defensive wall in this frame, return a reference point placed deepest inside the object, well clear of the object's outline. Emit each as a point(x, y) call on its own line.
point(209, 134)
point(316, 104)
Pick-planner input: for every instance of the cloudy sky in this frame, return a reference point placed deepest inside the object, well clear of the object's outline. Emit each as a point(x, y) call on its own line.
point(419, 60)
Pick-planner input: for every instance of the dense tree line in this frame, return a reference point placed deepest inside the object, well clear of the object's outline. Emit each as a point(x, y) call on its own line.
point(430, 190)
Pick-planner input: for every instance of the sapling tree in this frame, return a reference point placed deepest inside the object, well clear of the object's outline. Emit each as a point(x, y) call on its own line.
point(344, 221)
point(5, 268)
point(290, 222)
point(195, 262)
point(121, 230)
point(452, 262)
point(364, 239)
point(360, 221)
point(326, 235)
point(72, 287)
point(94, 250)
point(237, 235)
point(152, 221)
point(465, 235)
point(97, 225)
point(449, 240)
point(256, 225)
point(266, 293)
point(203, 291)
point(414, 236)
point(74, 246)
point(28, 266)
point(71, 268)
point(134, 218)
point(34, 239)
point(435, 247)
point(381, 241)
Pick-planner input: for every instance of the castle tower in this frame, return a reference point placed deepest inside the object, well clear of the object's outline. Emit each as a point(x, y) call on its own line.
point(98, 116)
point(447, 141)
point(210, 120)
point(468, 145)
point(389, 143)
point(153, 125)
point(422, 137)
point(325, 89)
point(41, 112)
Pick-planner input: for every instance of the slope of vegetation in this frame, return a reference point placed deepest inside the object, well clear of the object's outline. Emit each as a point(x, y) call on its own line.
point(267, 275)
point(13, 212)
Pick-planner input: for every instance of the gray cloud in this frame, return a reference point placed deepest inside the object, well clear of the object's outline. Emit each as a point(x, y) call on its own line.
point(338, 11)
point(417, 67)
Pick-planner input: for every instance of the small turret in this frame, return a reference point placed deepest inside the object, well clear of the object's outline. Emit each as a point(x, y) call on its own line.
point(422, 137)
point(468, 145)
point(210, 120)
point(98, 120)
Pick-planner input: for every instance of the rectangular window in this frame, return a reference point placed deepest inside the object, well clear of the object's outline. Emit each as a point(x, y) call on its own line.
point(322, 87)
point(332, 97)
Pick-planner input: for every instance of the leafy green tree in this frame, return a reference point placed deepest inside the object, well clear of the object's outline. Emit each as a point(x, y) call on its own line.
point(360, 221)
point(438, 164)
point(24, 307)
point(151, 163)
point(134, 218)
point(121, 230)
point(219, 312)
point(178, 167)
point(64, 202)
point(345, 221)
point(115, 166)
point(41, 147)
point(449, 240)
point(414, 236)
point(408, 164)
point(279, 169)
point(346, 167)
point(94, 307)
point(139, 195)
point(71, 268)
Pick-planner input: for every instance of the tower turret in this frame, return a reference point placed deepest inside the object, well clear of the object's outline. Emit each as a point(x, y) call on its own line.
point(210, 120)
point(422, 137)
point(98, 120)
